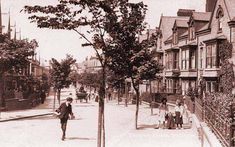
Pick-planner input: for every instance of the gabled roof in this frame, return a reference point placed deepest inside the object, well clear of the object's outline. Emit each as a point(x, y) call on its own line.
point(230, 6)
point(184, 34)
point(204, 27)
point(230, 9)
point(201, 16)
point(166, 25)
point(169, 39)
point(181, 23)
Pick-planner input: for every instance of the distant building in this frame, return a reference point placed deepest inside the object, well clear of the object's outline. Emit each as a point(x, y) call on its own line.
point(91, 65)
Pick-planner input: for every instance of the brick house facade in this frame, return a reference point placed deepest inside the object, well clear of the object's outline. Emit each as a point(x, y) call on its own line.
point(189, 43)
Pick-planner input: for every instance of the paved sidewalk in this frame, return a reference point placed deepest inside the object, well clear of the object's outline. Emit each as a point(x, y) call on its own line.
point(40, 110)
point(148, 135)
point(82, 131)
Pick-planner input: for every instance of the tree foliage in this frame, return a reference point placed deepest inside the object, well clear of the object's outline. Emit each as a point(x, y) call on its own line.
point(226, 72)
point(225, 50)
point(60, 72)
point(115, 81)
point(14, 54)
point(90, 79)
point(226, 77)
point(132, 59)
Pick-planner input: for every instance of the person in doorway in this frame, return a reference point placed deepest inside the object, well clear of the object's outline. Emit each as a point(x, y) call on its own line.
point(65, 110)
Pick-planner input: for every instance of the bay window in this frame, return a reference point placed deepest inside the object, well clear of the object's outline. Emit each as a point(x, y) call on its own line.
point(211, 56)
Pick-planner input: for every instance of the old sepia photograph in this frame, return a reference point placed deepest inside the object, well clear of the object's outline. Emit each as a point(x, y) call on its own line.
point(117, 73)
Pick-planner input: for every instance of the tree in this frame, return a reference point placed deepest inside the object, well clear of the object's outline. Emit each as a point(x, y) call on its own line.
point(115, 81)
point(45, 86)
point(14, 53)
point(14, 56)
point(60, 74)
point(132, 59)
point(72, 14)
point(89, 79)
point(74, 76)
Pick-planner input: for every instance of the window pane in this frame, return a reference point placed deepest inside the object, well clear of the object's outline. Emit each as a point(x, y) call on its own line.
point(213, 56)
point(192, 59)
point(213, 50)
point(201, 57)
point(208, 56)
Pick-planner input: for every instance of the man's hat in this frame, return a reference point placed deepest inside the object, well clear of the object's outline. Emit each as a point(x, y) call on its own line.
point(69, 99)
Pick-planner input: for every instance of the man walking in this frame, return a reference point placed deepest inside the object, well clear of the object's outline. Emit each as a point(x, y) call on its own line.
point(64, 111)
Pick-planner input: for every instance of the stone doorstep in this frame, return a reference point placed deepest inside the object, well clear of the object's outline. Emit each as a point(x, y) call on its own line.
point(24, 117)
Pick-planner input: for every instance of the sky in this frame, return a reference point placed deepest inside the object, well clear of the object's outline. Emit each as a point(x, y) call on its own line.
point(58, 43)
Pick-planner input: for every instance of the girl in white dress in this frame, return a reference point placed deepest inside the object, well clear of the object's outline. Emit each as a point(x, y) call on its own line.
point(162, 114)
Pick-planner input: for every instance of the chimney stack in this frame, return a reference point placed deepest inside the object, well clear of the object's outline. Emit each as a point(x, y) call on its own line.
point(210, 4)
point(185, 12)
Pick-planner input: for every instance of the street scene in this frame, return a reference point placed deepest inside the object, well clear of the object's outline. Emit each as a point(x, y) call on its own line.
point(117, 73)
point(45, 130)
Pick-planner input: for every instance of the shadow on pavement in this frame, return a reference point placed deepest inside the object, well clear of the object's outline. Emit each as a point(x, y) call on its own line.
point(144, 126)
point(79, 138)
point(84, 106)
point(49, 117)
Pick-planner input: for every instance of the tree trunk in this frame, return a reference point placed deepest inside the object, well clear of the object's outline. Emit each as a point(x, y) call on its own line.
point(101, 127)
point(126, 93)
point(90, 94)
point(99, 124)
point(58, 95)
point(151, 96)
point(137, 109)
point(54, 99)
point(2, 97)
point(136, 88)
point(118, 96)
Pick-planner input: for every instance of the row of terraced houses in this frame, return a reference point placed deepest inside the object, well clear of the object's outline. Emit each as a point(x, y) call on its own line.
point(188, 46)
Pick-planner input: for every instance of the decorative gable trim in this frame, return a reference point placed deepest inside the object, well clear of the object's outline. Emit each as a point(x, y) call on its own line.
point(219, 12)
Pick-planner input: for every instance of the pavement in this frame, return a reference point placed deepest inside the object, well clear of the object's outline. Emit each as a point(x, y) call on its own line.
point(44, 131)
point(40, 110)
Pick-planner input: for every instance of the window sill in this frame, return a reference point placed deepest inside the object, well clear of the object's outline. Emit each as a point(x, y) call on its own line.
point(211, 69)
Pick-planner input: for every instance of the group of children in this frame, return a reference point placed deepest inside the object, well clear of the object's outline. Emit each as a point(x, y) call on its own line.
point(171, 118)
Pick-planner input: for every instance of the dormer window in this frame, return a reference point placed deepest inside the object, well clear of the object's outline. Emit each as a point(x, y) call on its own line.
point(192, 35)
point(175, 37)
point(219, 16)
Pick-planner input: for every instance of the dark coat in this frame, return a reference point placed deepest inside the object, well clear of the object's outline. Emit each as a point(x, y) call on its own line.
point(64, 111)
